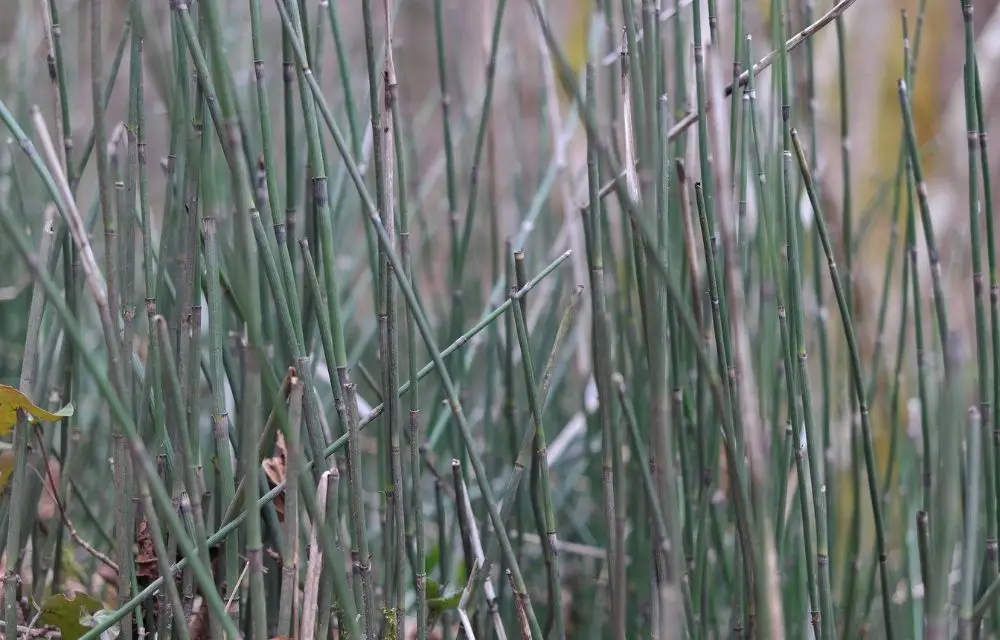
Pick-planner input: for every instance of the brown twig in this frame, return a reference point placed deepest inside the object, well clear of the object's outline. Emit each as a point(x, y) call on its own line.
point(522, 617)
point(28, 631)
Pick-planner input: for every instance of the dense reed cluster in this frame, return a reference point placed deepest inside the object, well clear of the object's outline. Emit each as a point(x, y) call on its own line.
point(375, 395)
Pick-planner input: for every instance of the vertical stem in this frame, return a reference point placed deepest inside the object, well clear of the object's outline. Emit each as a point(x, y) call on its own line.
point(603, 367)
point(361, 557)
point(290, 563)
point(123, 498)
point(858, 379)
point(551, 539)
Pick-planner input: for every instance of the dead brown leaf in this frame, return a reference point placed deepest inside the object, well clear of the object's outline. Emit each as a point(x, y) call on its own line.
point(145, 557)
point(198, 627)
point(276, 470)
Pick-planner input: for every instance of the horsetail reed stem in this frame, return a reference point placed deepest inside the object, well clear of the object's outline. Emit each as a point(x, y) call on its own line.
point(991, 418)
point(933, 256)
point(22, 432)
point(814, 441)
point(187, 465)
point(974, 444)
point(161, 558)
point(603, 365)
point(535, 404)
point(858, 379)
point(397, 497)
point(123, 500)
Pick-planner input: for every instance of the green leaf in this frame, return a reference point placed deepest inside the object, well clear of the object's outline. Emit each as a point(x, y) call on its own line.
point(70, 613)
point(434, 589)
point(444, 603)
point(432, 560)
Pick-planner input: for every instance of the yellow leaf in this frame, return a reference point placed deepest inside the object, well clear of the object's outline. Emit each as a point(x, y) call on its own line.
point(6, 467)
point(12, 400)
